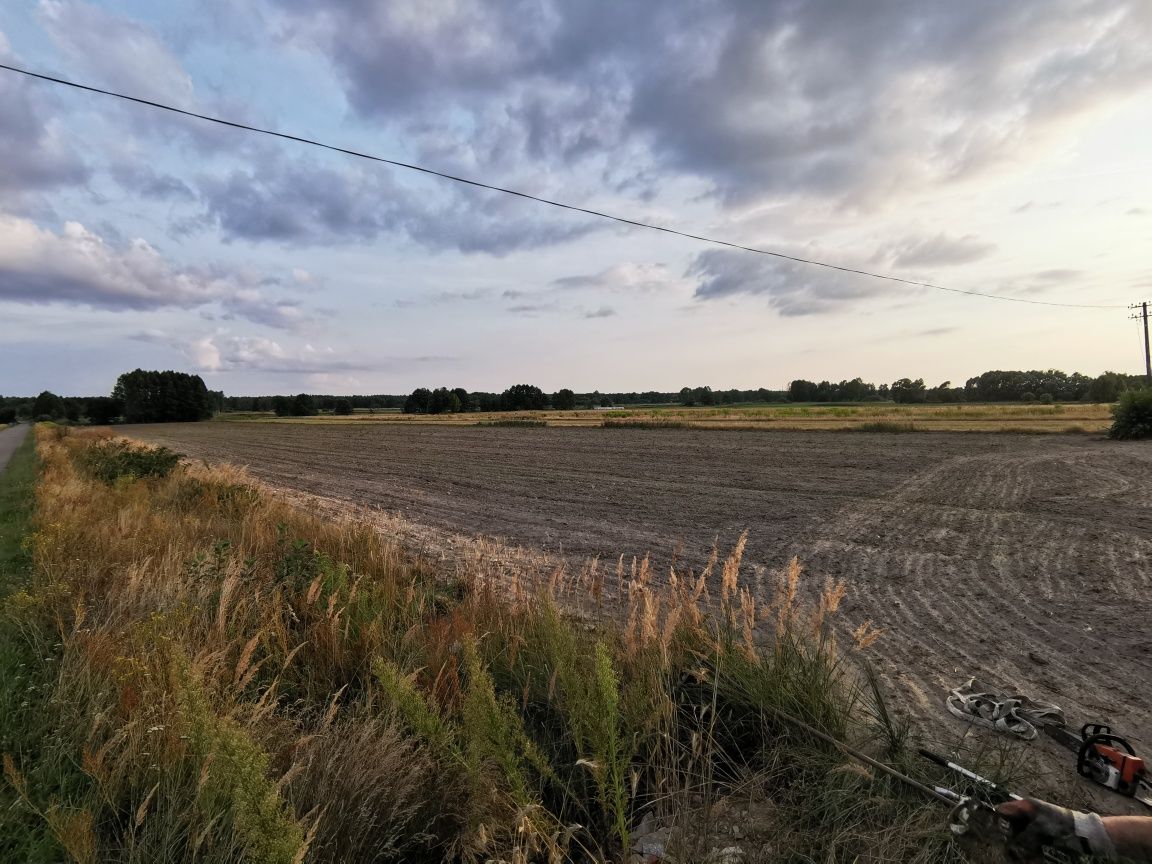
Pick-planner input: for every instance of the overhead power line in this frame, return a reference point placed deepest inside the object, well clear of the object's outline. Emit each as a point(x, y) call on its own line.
point(551, 203)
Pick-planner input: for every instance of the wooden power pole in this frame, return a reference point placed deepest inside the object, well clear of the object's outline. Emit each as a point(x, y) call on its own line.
point(1143, 313)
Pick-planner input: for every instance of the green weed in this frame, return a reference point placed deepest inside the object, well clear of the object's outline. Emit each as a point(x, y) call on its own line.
point(111, 460)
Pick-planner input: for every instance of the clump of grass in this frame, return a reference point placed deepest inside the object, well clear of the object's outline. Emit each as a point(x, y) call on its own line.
point(242, 681)
point(515, 423)
point(378, 793)
point(885, 426)
point(610, 423)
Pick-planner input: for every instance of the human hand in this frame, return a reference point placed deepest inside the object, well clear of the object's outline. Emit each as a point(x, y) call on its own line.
point(1034, 825)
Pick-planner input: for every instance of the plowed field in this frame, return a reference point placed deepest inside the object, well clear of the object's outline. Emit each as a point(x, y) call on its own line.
point(1026, 560)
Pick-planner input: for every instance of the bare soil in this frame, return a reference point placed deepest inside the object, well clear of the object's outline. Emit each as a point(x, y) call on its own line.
point(10, 439)
point(1023, 560)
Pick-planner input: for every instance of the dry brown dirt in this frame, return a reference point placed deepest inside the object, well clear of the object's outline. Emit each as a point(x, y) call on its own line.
point(1024, 560)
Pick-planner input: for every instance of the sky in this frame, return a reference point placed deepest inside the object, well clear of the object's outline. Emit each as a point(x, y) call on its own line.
point(984, 146)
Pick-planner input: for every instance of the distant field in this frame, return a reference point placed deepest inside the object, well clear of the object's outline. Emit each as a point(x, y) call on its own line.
point(981, 417)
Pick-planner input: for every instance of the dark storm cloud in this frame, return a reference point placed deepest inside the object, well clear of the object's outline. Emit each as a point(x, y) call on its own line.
point(789, 287)
point(300, 202)
point(765, 98)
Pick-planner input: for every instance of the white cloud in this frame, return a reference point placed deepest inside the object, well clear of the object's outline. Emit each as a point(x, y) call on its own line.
point(627, 277)
point(123, 54)
point(224, 352)
point(938, 250)
point(78, 267)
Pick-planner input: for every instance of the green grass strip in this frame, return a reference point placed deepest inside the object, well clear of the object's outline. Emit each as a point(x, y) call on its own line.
point(16, 488)
point(25, 677)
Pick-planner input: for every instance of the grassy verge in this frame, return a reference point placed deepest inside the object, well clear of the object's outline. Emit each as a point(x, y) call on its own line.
point(27, 659)
point(232, 680)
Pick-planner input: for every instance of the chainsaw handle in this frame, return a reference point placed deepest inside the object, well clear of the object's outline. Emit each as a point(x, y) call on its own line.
point(1083, 764)
point(1108, 740)
point(1091, 730)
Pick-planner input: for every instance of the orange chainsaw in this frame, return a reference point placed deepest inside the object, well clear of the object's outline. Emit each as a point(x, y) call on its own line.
point(1108, 760)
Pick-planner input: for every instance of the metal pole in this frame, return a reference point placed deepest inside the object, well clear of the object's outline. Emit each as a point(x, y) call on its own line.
point(1147, 355)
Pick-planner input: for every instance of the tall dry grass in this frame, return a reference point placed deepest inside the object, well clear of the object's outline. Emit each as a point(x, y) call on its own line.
point(238, 680)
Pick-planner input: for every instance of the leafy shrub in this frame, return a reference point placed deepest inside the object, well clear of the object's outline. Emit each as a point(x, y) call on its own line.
point(1132, 416)
point(108, 461)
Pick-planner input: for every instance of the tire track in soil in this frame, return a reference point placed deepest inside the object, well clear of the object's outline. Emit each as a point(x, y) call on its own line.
point(974, 553)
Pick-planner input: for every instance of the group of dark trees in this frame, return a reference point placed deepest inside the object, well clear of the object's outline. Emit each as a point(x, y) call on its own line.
point(300, 405)
point(138, 397)
point(162, 397)
point(1037, 385)
point(46, 406)
point(519, 397)
point(708, 396)
point(438, 401)
point(322, 403)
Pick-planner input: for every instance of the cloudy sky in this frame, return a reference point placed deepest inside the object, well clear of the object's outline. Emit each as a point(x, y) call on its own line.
point(986, 146)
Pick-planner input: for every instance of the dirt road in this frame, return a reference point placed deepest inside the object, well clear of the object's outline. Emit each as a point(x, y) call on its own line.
point(10, 439)
point(1022, 559)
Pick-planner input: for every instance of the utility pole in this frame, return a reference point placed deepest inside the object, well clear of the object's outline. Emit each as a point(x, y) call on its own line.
point(1143, 313)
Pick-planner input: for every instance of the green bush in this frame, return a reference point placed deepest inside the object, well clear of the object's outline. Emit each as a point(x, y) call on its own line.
point(1132, 416)
point(108, 461)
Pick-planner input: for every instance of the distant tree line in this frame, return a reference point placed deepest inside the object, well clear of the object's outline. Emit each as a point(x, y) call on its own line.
point(139, 397)
point(159, 397)
point(1038, 385)
point(320, 403)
